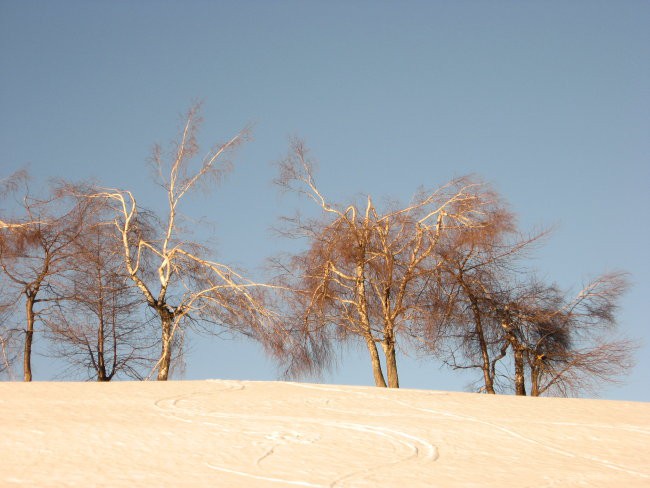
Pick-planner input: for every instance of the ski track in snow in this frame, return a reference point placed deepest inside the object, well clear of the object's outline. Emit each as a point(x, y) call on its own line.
point(300, 430)
point(530, 440)
point(511, 432)
point(307, 431)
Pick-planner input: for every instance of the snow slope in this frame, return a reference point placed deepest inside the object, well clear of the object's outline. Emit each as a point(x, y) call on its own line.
point(272, 434)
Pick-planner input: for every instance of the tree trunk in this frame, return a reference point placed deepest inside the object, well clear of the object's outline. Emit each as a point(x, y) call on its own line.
point(487, 377)
point(362, 308)
point(376, 363)
point(114, 332)
point(391, 362)
point(485, 355)
point(518, 351)
point(520, 385)
point(166, 353)
point(101, 364)
point(534, 381)
point(29, 335)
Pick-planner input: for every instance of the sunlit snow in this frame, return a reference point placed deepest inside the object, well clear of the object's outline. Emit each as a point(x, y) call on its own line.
point(266, 434)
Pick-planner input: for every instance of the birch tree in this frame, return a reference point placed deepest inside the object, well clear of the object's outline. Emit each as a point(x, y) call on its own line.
point(526, 336)
point(174, 275)
point(564, 345)
point(97, 324)
point(477, 268)
point(34, 247)
point(365, 270)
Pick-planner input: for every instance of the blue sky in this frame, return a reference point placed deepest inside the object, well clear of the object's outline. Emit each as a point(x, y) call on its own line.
point(548, 101)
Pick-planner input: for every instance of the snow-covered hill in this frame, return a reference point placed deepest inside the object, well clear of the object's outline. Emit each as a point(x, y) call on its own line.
point(272, 434)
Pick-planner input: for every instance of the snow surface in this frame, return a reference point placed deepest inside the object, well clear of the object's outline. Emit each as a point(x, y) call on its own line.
point(272, 434)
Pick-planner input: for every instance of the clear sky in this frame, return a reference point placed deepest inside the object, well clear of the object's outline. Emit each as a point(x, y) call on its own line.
point(549, 101)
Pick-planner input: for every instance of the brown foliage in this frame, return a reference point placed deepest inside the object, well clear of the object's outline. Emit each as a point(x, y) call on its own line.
point(495, 312)
point(366, 272)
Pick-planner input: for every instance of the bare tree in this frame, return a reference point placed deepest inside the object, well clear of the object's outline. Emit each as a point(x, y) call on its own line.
point(97, 324)
point(477, 267)
point(519, 331)
point(568, 346)
point(364, 272)
point(175, 276)
point(33, 250)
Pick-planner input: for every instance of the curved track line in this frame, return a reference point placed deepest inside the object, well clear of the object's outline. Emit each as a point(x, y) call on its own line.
point(417, 447)
point(516, 435)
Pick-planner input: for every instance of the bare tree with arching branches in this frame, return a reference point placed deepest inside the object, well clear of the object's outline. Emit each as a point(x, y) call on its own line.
point(365, 271)
point(566, 345)
point(174, 275)
point(477, 266)
point(34, 249)
point(526, 336)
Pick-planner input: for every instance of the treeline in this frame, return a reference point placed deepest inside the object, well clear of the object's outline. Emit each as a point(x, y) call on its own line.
point(113, 287)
